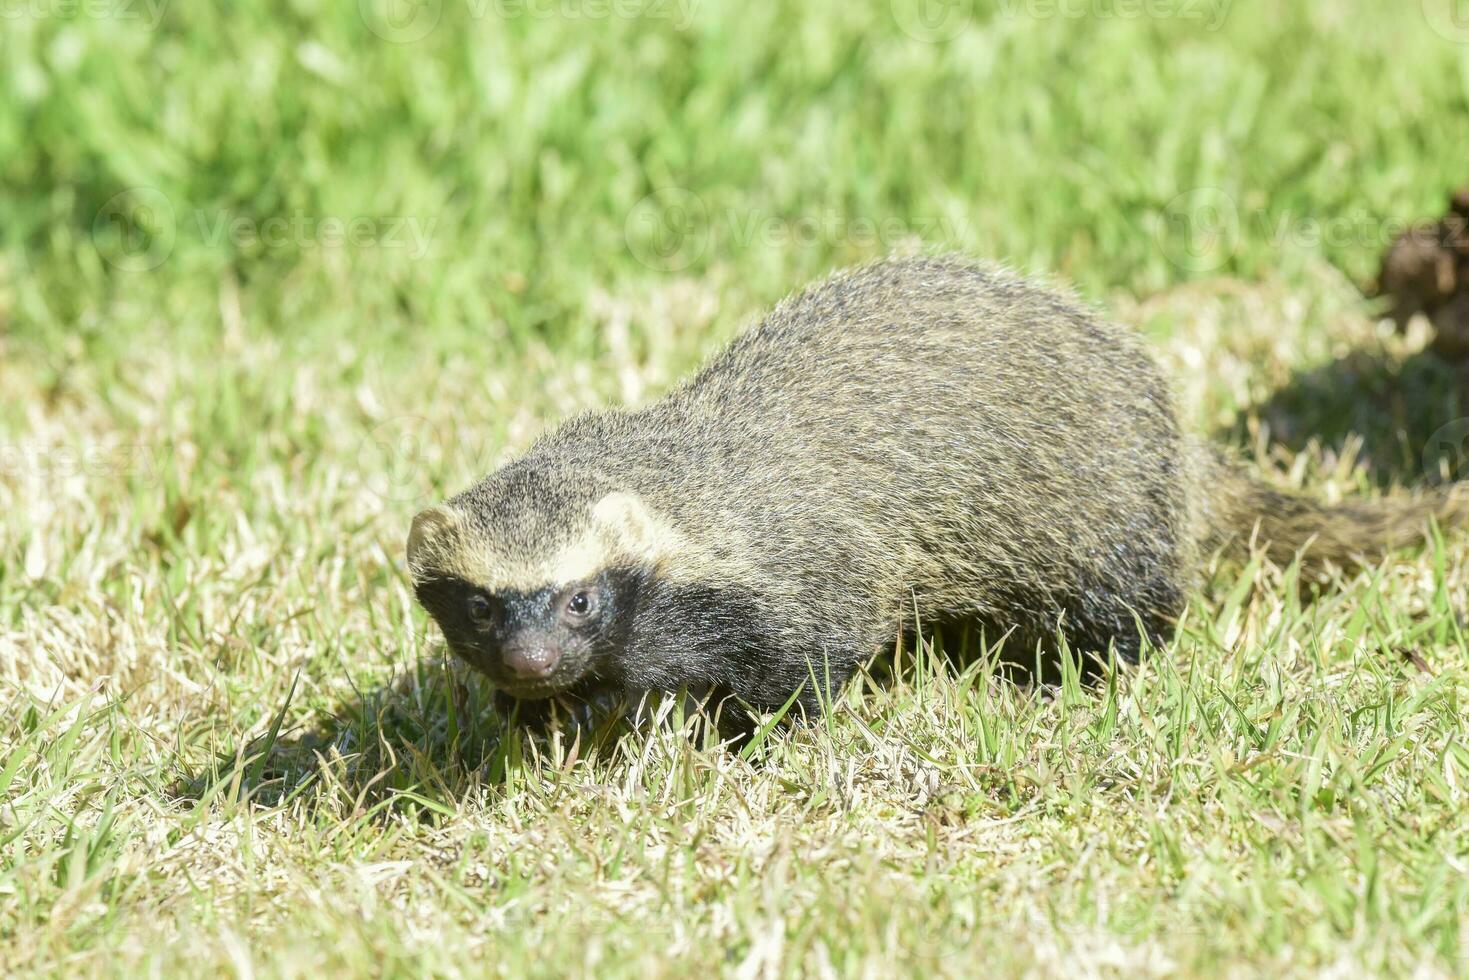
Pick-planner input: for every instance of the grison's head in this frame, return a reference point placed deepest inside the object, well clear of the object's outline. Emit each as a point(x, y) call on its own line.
point(533, 580)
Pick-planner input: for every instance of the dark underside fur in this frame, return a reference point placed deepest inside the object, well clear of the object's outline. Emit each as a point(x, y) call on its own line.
point(919, 440)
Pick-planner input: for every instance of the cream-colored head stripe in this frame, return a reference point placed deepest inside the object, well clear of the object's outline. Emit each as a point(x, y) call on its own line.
point(620, 529)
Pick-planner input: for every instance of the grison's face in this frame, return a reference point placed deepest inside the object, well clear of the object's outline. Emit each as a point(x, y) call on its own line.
point(536, 593)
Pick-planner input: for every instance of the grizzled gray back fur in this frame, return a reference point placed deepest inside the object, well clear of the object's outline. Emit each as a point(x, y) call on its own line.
point(917, 437)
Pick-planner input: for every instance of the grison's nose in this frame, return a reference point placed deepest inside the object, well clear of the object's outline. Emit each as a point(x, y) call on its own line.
point(531, 660)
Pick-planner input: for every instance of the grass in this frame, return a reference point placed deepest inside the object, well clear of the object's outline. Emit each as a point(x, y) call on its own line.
point(269, 281)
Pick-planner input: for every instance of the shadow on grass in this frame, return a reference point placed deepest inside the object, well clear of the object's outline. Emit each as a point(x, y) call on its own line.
point(428, 733)
point(435, 732)
point(1409, 416)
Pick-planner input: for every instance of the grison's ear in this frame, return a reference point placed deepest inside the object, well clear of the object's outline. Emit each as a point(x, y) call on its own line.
point(433, 532)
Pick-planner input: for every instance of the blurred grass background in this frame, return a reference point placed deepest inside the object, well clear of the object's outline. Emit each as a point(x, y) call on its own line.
point(273, 274)
point(521, 138)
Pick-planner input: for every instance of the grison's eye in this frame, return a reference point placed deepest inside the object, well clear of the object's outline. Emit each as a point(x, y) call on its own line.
point(478, 608)
point(581, 605)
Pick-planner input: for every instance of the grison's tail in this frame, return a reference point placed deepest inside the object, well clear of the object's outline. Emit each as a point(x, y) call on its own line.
point(1237, 509)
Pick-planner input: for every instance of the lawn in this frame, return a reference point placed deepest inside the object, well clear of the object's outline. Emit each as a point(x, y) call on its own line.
point(274, 275)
